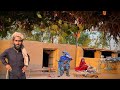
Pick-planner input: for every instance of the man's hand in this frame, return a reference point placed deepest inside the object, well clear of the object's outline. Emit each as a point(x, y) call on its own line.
point(24, 69)
point(8, 67)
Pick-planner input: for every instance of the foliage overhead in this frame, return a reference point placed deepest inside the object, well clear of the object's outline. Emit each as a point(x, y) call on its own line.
point(83, 19)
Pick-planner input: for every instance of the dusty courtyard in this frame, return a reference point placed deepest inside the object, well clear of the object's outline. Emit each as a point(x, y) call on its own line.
point(54, 76)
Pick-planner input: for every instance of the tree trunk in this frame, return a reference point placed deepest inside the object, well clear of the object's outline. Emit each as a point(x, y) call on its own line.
point(52, 39)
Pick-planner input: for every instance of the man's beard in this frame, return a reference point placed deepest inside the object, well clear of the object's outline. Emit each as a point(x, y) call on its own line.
point(17, 47)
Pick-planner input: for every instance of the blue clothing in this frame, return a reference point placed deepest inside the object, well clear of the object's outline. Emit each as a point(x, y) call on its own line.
point(64, 64)
point(63, 58)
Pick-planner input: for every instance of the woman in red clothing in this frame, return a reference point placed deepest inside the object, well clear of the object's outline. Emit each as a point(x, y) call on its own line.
point(82, 65)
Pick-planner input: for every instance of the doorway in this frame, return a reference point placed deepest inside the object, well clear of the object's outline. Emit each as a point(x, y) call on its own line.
point(45, 59)
point(48, 57)
point(118, 54)
point(106, 54)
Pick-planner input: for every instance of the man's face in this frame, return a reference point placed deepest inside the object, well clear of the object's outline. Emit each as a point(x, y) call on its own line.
point(17, 42)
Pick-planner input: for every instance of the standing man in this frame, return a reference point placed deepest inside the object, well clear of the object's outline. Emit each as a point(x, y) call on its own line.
point(17, 58)
point(64, 64)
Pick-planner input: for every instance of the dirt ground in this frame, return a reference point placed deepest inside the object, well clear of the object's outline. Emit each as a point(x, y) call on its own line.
point(55, 76)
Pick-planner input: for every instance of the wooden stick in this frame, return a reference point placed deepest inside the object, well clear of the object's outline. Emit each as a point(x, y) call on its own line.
point(7, 74)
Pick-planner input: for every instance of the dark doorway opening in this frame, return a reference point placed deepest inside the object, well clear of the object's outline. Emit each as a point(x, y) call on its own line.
point(106, 54)
point(89, 53)
point(48, 57)
point(119, 55)
point(45, 59)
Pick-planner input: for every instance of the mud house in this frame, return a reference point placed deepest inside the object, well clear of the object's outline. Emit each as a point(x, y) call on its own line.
point(92, 55)
point(47, 54)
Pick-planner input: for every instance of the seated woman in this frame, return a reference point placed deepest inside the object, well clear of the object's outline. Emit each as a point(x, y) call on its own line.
point(82, 66)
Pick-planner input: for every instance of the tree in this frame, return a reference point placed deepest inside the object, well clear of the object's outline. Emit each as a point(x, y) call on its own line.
point(84, 39)
point(88, 19)
point(102, 40)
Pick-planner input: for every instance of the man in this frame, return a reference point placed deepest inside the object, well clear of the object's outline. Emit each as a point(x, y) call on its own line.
point(16, 56)
point(64, 64)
